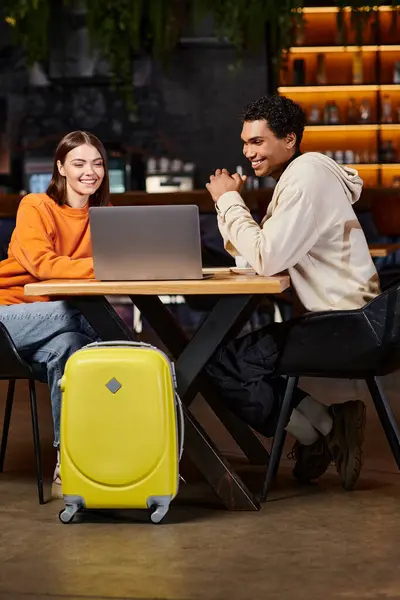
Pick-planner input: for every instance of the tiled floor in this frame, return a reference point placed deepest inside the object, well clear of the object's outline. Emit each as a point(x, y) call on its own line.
point(307, 542)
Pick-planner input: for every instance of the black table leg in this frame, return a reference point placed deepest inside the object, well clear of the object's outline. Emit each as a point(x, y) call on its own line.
point(200, 449)
point(103, 318)
point(218, 473)
point(225, 320)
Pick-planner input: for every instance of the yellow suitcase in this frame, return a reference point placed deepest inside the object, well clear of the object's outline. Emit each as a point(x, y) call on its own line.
point(119, 429)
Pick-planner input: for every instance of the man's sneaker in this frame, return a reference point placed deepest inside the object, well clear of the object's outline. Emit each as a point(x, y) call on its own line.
point(346, 439)
point(56, 491)
point(311, 461)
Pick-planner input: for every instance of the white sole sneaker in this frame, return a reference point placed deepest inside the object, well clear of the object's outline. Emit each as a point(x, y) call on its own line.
point(56, 489)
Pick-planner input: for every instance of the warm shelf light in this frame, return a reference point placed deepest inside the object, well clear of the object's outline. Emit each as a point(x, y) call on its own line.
point(333, 128)
point(394, 48)
point(321, 10)
point(357, 127)
point(391, 87)
point(372, 166)
point(301, 89)
point(333, 49)
point(364, 167)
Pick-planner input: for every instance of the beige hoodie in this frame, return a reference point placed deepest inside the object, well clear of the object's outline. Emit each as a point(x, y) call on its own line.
point(310, 229)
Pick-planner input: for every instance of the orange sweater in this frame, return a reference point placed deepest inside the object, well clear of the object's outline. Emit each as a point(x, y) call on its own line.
point(48, 242)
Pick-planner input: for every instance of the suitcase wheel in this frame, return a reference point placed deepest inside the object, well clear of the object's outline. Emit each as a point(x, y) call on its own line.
point(68, 513)
point(157, 513)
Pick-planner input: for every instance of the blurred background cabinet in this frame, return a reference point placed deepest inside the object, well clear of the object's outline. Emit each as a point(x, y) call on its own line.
point(350, 92)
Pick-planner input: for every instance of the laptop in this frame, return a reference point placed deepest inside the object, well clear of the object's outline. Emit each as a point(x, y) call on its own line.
point(146, 243)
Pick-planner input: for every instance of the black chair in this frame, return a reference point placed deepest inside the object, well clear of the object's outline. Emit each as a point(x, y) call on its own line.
point(389, 276)
point(13, 367)
point(352, 344)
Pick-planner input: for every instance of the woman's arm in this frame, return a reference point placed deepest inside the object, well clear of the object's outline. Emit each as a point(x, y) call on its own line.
point(33, 247)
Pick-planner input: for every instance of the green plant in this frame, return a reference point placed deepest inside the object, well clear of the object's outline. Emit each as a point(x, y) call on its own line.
point(246, 22)
point(121, 28)
point(362, 11)
point(29, 20)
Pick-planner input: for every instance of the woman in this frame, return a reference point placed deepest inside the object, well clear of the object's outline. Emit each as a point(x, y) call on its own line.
point(51, 240)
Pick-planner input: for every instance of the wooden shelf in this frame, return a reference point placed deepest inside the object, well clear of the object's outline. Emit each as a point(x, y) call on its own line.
point(307, 89)
point(343, 49)
point(390, 127)
point(321, 10)
point(9, 202)
point(333, 49)
point(333, 128)
point(389, 87)
point(374, 166)
point(364, 166)
point(356, 127)
point(253, 198)
point(380, 50)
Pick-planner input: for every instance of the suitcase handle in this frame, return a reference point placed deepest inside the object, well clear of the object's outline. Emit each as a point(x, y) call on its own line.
point(120, 343)
point(181, 420)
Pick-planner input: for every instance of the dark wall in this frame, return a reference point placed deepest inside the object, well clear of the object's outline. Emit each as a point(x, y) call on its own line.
point(190, 110)
point(202, 100)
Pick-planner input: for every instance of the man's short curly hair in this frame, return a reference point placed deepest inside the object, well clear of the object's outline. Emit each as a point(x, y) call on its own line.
point(282, 115)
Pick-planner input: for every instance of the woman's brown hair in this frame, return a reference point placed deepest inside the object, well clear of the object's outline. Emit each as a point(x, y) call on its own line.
point(57, 189)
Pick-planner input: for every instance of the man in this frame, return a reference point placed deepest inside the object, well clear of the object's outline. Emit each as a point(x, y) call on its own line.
point(311, 230)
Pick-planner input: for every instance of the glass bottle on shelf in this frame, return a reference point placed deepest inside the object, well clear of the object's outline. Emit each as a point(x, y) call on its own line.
point(334, 114)
point(365, 158)
point(352, 113)
point(397, 112)
point(299, 72)
point(396, 72)
point(357, 68)
point(327, 113)
point(365, 111)
point(387, 110)
point(349, 157)
point(314, 116)
point(341, 32)
point(373, 157)
point(383, 152)
point(299, 38)
point(396, 181)
point(321, 73)
point(339, 157)
point(390, 152)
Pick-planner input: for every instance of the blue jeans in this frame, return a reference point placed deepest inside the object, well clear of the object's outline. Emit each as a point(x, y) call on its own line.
point(45, 335)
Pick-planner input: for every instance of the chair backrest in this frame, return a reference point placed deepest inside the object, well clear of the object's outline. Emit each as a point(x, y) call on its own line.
point(12, 366)
point(344, 343)
point(6, 228)
point(383, 315)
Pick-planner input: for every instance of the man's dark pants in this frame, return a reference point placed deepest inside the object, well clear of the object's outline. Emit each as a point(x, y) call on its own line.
point(243, 372)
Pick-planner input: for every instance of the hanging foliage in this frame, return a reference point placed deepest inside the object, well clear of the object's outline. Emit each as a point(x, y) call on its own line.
point(29, 20)
point(121, 28)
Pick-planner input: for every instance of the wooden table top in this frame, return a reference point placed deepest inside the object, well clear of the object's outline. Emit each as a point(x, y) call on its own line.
point(221, 281)
point(382, 250)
